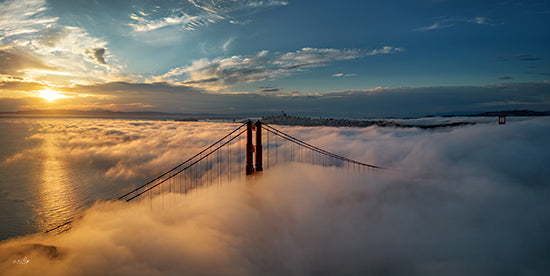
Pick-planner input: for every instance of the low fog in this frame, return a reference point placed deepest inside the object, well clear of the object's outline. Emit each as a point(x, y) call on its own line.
point(471, 200)
point(125, 149)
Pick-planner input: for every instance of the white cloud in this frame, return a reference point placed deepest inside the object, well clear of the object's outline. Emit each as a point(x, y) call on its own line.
point(384, 50)
point(23, 18)
point(434, 26)
point(338, 75)
point(194, 14)
point(237, 22)
point(188, 22)
point(25, 26)
point(446, 22)
point(479, 20)
point(225, 46)
point(314, 57)
point(269, 3)
point(221, 72)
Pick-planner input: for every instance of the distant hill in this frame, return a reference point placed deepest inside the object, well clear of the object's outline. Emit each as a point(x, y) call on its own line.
point(517, 113)
point(101, 113)
point(278, 119)
point(284, 119)
point(96, 112)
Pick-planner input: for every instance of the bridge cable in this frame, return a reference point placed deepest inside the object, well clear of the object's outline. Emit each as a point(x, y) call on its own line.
point(188, 166)
point(68, 222)
point(181, 164)
point(314, 148)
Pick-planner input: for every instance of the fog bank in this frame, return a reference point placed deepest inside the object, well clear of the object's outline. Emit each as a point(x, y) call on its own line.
point(465, 201)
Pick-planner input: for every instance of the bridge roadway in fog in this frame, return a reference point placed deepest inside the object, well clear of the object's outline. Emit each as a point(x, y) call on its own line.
point(216, 161)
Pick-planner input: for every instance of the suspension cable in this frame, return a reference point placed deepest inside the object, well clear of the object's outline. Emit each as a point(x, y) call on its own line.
point(181, 164)
point(71, 220)
point(269, 128)
point(314, 148)
point(188, 166)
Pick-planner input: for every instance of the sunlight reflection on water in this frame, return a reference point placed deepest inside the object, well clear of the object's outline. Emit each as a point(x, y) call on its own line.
point(57, 194)
point(52, 169)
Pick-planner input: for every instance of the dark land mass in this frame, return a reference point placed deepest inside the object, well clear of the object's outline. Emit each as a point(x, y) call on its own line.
point(284, 119)
point(514, 113)
point(280, 119)
point(100, 113)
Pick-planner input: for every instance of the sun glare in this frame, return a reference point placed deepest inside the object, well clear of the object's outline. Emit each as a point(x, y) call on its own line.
point(51, 95)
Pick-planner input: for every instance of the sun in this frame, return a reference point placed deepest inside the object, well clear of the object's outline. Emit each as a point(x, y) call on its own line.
point(51, 95)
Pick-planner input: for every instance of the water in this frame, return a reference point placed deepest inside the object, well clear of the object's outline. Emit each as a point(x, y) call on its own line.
point(53, 169)
point(39, 186)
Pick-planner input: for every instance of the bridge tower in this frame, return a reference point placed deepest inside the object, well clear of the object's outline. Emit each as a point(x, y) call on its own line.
point(251, 149)
point(259, 165)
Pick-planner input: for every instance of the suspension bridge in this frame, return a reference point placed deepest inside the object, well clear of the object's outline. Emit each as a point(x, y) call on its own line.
point(244, 152)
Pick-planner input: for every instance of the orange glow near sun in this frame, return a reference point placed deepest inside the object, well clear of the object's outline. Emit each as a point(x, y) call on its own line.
point(51, 95)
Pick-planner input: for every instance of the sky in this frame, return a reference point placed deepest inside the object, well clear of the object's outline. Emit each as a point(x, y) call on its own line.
point(351, 58)
point(450, 202)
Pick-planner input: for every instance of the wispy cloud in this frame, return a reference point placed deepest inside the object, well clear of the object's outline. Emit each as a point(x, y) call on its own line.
point(479, 20)
point(220, 72)
point(342, 75)
point(194, 14)
point(314, 57)
point(276, 92)
point(434, 26)
point(504, 78)
point(22, 18)
point(225, 46)
point(13, 61)
point(528, 57)
point(384, 50)
point(31, 33)
point(521, 57)
point(446, 22)
point(268, 89)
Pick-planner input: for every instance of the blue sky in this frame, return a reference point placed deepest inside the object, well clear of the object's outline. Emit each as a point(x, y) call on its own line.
point(275, 49)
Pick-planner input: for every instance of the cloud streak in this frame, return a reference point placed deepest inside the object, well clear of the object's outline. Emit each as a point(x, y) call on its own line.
point(195, 14)
point(12, 62)
point(446, 22)
point(504, 78)
point(340, 75)
point(219, 73)
point(18, 18)
point(528, 57)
